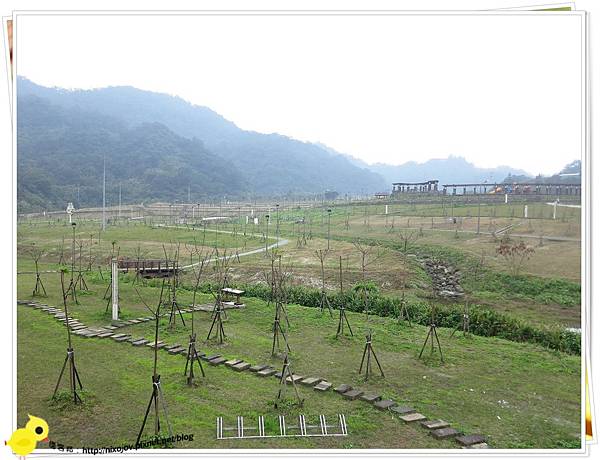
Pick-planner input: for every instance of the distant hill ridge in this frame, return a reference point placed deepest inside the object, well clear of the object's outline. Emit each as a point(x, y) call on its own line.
point(157, 146)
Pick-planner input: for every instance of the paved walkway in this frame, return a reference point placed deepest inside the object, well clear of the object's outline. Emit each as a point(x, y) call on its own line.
point(278, 243)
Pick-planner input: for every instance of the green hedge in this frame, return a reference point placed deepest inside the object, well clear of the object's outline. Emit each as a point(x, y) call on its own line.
point(483, 322)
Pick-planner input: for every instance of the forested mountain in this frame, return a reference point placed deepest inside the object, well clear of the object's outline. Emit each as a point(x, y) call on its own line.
point(271, 164)
point(449, 170)
point(61, 153)
point(157, 145)
point(570, 174)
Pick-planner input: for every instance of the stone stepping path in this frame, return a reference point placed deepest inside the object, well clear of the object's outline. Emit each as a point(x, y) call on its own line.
point(384, 404)
point(482, 445)
point(414, 417)
point(176, 351)
point(370, 397)
point(322, 386)
point(343, 388)
point(434, 424)
point(123, 338)
point(210, 357)
point(352, 394)
point(266, 372)
point(471, 440)
point(402, 410)
point(445, 433)
point(241, 366)
point(295, 378)
point(439, 429)
point(217, 361)
point(258, 367)
point(310, 381)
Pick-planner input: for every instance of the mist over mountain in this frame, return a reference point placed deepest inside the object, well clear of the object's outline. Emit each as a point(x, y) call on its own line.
point(454, 169)
point(272, 164)
point(61, 154)
point(158, 146)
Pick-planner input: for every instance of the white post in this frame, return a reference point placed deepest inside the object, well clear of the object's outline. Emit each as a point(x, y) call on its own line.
point(386, 209)
point(505, 198)
point(554, 211)
point(104, 194)
point(115, 290)
point(525, 212)
point(246, 220)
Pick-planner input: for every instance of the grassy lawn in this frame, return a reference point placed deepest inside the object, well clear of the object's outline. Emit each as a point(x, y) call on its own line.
point(517, 394)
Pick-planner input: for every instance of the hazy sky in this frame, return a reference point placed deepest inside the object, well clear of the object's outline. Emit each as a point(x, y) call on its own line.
point(494, 89)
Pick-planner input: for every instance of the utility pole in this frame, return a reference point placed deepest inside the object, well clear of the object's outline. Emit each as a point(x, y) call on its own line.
point(104, 194)
point(277, 233)
point(478, 214)
point(328, 227)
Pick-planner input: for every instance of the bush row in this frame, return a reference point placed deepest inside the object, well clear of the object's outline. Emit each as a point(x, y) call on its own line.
point(483, 322)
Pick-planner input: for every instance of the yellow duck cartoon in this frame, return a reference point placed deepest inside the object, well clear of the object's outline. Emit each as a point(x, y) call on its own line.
point(24, 440)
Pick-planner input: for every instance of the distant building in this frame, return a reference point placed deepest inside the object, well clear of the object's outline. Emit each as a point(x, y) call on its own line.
point(430, 186)
point(382, 195)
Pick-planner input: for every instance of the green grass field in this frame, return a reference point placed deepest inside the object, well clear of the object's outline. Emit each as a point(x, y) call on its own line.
point(516, 394)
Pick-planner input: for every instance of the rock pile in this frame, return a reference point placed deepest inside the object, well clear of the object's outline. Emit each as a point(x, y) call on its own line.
point(445, 279)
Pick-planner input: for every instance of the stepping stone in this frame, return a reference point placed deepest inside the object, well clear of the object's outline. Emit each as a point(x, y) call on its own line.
point(80, 332)
point(170, 347)
point(402, 410)
point(384, 404)
point(434, 424)
point(370, 397)
point(232, 362)
point(118, 336)
point(112, 328)
point(134, 321)
point(258, 367)
point(277, 375)
point(106, 334)
point(122, 339)
point(158, 344)
point(481, 445)
point(470, 439)
point(266, 372)
point(241, 366)
point(92, 334)
point(310, 381)
point(343, 388)
point(322, 386)
point(175, 351)
point(295, 378)
point(352, 394)
point(414, 417)
point(139, 342)
point(78, 328)
point(211, 357)
point(445, 433)
point(217, 361)
point(183, 351)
